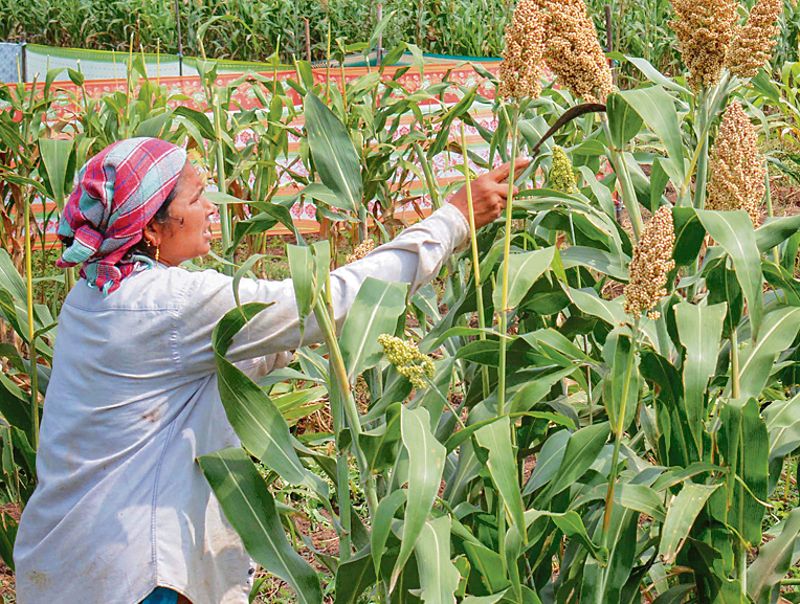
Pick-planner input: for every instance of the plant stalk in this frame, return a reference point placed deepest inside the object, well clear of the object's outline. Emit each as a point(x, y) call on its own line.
point(350, 410)
point(476, 269)
point(503, 311)
point(33, 373)
point(735, 385)
point(701, 175)
point(626, 185)
point(430, 181)
point(224, 213)
point(776, 254)
point(618, 431)
point(503, 316)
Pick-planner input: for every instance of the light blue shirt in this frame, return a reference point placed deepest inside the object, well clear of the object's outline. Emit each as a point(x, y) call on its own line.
point(121, 506)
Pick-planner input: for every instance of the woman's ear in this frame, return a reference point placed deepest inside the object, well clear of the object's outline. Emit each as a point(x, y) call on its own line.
point(152, 234)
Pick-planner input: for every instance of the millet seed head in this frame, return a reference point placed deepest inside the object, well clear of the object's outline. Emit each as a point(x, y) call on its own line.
point(562, 175)
point(737, 169)
point(407, 359)
point(704, 29)
point(520, 71)
point(573, 51)
point(652, 261)
point(754, 41)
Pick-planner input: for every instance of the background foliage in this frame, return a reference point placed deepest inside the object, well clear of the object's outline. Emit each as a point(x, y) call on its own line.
point(251, 30)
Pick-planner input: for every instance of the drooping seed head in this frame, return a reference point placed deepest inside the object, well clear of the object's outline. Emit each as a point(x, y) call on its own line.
point(704, 29)
point(737, 169)
point(407, 359)
point(754, 41)
point(562, 175)
point(573, 51)
point(520, 71)
point(652, 261)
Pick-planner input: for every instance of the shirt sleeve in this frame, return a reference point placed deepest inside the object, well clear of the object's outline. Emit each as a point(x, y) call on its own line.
point(414, 257)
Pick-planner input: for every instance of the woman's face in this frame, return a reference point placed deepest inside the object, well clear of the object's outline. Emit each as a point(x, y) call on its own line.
point(186, 233)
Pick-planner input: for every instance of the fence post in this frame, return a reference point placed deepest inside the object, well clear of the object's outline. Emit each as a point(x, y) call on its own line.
point(180, 40)
point(23, 59)
point(308, 39)
point(379, 50)
point(610, 41)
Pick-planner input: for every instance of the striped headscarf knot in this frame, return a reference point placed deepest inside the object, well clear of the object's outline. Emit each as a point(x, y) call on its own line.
point(118, 191)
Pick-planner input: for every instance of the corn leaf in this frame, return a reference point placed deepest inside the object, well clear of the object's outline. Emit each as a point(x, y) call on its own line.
point(773, 561)
point(700, 331)
point(783, 424)
point(425, 466)
point(250, 508)
point(374, 311)
point(523, 269)
point(257, 421)
point(496, 438)
point(335, 157)
point(734, 232)
point(438, 577)
point(777, 333)
point(681, 514)
point(657, 109)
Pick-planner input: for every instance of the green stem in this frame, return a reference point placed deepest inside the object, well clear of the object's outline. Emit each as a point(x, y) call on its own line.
point(741, 568)
point(343, 497)
point(503, 315)
point(711, 104)
point(618, 431)
point(503, 311)
point(776, 255)
point(224, 214)
point(626, 184)
point(337, 412)
point(735, 387)
point(447, 403)
point(476, 265)
point(701, 175)
point(348, 403)
point(33, 373)
point(741, 548)
point(430, 182)
point(700, 161)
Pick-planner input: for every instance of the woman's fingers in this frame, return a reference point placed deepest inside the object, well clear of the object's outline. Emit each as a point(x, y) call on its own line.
point(502, 190)
point(496, 204)
point(501, 173)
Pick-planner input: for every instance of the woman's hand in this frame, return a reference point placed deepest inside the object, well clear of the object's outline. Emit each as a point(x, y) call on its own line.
point(489, 194)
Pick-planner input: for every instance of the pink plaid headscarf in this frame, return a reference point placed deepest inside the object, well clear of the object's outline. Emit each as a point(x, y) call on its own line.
point(119, 190)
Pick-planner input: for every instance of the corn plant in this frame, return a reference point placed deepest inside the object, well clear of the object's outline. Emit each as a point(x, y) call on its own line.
point(622, 440)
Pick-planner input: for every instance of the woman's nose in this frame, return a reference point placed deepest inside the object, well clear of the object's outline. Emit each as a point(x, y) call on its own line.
point(211, 209)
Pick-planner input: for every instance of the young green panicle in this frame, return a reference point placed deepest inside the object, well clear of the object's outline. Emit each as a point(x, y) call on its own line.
point(520, 71)
point(753, 42)
point(652, 261)
point(704, 29)
point(407, 359)
point(573, 51)
point(562, 175)
point(737, 167)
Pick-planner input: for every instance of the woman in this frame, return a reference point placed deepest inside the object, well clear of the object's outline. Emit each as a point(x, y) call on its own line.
point(121, 512)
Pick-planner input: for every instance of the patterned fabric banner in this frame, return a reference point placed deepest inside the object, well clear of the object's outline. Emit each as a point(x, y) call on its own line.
point(10, 62)
point(446, 167)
